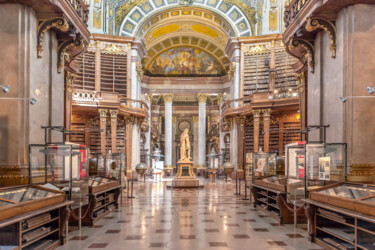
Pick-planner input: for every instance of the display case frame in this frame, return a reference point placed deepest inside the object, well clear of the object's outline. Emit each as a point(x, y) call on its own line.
point(63, 168)
point(104, 166)
point(262, 166)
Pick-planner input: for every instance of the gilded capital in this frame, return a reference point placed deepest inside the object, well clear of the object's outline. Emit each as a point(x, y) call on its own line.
point(195, 119)
point(202, 98)
point(148, 97)
point(114, 113)
point(220, 97)
point(256, 113)
point(168, 98)
point(174, 119)
point(103, 113)
point(266, 112)
point(129, 120)
point(240, 119)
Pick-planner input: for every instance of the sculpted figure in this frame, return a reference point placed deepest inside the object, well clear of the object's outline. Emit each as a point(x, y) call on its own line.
point(185, 145)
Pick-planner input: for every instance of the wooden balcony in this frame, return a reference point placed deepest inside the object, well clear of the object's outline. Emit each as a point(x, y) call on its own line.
point(264, 100)
point(91, 102)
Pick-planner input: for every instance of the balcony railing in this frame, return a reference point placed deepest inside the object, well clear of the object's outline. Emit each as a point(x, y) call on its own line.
point(234, 104)
point(85, 95)
point(81, 9)
point(293, 9)
point(134, 103)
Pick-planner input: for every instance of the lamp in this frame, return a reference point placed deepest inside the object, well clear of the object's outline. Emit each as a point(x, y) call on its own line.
point(370, 90)
point(345, 98)
point(31, 100)
point(5, 88)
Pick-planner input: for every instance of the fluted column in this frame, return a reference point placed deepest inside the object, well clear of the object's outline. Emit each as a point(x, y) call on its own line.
point(195, 133)
point(148, 134)
point(202, 98)
point(103, 128)
point(241, 135)
point(256, 116)
point(114, 129)
point(168, 99)
point(266, 127)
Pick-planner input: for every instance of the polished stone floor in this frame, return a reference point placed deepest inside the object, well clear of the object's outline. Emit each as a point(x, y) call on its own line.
point(209, 218)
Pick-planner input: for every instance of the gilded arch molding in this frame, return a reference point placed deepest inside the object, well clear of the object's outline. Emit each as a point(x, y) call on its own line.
point(318, 23)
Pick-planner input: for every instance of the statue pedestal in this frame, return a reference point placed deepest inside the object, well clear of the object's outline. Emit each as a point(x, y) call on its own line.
point(185, 177)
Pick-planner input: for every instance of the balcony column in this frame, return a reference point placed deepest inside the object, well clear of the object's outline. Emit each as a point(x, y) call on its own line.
point(266, 127)
point(114, 114)
point(241, 142)
point(202, 98)
point(129, 137)
point(168, 99)
point(148, 134)
point(97, 67)
point(103, 130)
point(256, 117)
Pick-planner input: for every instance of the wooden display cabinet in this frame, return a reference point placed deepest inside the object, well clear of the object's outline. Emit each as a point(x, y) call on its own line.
point(32, 217)
point(341, 216)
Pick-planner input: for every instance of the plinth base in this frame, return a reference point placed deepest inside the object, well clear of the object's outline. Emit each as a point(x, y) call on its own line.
point(185, 177)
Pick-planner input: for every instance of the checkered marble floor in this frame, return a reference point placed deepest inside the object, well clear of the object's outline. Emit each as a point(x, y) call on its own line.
point(209, 218)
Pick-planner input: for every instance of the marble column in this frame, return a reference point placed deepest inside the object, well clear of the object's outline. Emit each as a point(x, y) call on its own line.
point(202, 98)
point(148, 134)
point(97, 67)
point(234, 143)
point(114, 114)
point(195, 145)
point(241, 134)
point(256, 117)
point(129, 138)
point(174, 130)
point(168, 99)
point(221, 134)
point(134, 79)
point(103, 130)
point(266, 127)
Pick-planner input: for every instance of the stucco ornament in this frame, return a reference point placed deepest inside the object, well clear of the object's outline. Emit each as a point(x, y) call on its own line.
point(185, 2)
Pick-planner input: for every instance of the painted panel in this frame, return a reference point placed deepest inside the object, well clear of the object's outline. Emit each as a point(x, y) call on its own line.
point(184, 61)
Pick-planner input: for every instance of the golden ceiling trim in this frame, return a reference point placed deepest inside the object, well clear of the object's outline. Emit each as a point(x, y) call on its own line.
point(124, 10)
point(249, 12)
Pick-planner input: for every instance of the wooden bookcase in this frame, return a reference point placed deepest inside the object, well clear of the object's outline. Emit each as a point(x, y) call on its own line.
point(85, 78)
point(333, 227)
point(46, 232)
point(113, 75)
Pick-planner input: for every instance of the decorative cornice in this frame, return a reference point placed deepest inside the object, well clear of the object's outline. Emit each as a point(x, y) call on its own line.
point(113, 48)
point(257, 49)
point(168, 98)
point(323, 24)
point(308, 46)
point(232, 70)
point(202, 97)
point(103, 113)
point(58, 23)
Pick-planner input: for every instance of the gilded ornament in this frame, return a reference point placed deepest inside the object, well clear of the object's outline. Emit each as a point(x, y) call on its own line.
point(232, 70)
point(202, 98)
point(69, 79)
point(136, 15)
point(168, 98)
point(195, 119)
point(63, 56)
point(256, 50)
point(57, 23)
point(139, 70)
point(114, 113)
point(240, 119)
point(326, 25)
point(256, 114)
point(249, 12)
point(125, 9)
point(266, 112)
point(103, 113)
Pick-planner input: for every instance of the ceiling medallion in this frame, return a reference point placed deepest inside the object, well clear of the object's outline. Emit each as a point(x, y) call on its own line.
point(185, 2)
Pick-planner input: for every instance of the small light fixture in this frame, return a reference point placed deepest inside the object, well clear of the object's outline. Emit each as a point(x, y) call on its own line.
point(5, 88)
point(370, 90)
point(299, 32)
point(32, 101)
point(343, 99)
point(275, 91)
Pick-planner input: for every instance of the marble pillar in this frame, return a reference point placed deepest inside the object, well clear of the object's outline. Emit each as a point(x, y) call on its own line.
point(174, 146)
point(134, 79)
point(202, 98)
point(195, 144)
point(221, 133)
point(241, 134)
point(136, 144)
point(234, 143)
point(114, 114)
point(103, 130)
point(129, 137)
point(148, 134)
point(168, 99)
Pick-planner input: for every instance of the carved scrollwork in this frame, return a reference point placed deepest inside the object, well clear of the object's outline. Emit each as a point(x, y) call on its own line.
point(63, 55)
point(323, 24)
point(58, 23)
point(308, 46)
point(226, 124)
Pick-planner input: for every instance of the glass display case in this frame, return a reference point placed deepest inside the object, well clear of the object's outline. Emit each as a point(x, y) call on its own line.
point(112, 166)
point(22, 199)
point(99, 183)
point(264, 165)
point(65, 166)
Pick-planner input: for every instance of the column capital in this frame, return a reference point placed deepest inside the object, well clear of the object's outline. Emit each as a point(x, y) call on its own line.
point(103, 113)
point(195, 119)
point(202, 97)
point(168, 98)
point(266, 112)
point(220, 97)
point(148, 97)
point(241, 119)
point(174, 118)
point(256, 113)
point(114, 113)
point(129, 120)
